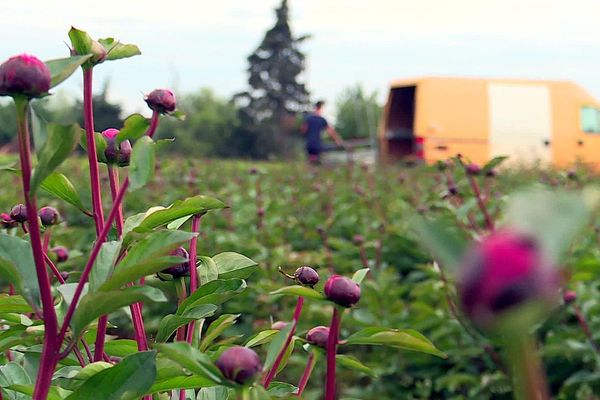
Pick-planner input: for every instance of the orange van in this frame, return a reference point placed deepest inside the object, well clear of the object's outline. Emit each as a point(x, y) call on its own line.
point(547, 122)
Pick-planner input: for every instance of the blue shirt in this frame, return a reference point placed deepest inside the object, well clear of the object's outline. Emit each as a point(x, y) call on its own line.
point(315, 124)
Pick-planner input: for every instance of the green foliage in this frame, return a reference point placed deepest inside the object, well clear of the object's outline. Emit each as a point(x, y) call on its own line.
point(358, 113)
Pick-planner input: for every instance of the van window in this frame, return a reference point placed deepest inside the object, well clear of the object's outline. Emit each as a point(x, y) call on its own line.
point(590, 119)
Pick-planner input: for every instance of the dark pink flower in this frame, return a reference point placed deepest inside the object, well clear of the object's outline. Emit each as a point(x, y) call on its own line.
point(19, 213)
point(341, 290)
point(306, 276)
point(24, 75)
point(114, 153)
point(239, 364)
point(161, 100)
point(178, 270)
point(503, 271)
point(49, 216)
point(60, 253)
point(318, 336)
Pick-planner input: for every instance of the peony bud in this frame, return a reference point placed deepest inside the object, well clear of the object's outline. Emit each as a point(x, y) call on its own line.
point(24, 75)
point(503, 271)
point(569, 296)
point(98, 53)
point(178, 270)
point(161, 100)
point(306, 276)
point(358, 239)
point(473, 169)
point(318, 336)
point(239, 364)
point(116, 153)
point(341, 290)
point(61, 254)
point(64, 275)
point(7, 222)
point(49, 216)
point(279, 325)
point(19, 213)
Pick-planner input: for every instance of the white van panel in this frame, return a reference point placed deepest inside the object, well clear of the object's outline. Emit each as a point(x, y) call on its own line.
point(520, 121)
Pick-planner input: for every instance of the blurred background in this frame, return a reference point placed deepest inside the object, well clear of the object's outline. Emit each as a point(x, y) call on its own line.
point(220, 58)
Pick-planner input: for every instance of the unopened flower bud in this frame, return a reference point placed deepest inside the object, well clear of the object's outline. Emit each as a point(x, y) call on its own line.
point(98, 53)
point(24, 75)
point(452, 190)
point(569, 296)
point(178, 270)
point(491, 173)
point(279, 325)
point(358, 239)
point(161, 100)
point(306, 276)
point(19, 213)
point(473, 169)
point(239, 364)
point(342, 291)
point(318, 336)
point(60, 254)
point(49, 216)
point(261, 212)
point(64, 275)
point(7, 222)
point(116, 153)
point(500, 273)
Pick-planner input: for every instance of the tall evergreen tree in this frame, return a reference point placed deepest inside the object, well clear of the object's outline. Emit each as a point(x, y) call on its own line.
point(276, 94)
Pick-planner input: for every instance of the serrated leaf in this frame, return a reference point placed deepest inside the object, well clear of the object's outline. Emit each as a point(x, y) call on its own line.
point(406, 339)
point(61, 141)
point(127, 380)
point(62, 68)
point(234, 265)
point(187, 207)
point(59, 186)
point(301, 291)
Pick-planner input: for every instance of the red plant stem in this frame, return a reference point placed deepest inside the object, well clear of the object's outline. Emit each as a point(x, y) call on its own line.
point(181, 296)
point(51, 346)
point(194, 279)
point(310, 364)
point(153, 124)
point(273, 371)
point(88, 116)
point(585, 328)
point(53, 268)
point(47, 235)
point(90, 263)
point(113, 178)
point(489, 223)
point(332, 342)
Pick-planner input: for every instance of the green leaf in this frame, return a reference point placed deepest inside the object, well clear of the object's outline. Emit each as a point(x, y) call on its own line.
point(553, 218)
point(107, 257)
point(169, 324)
point(121, 347)
point(39, 129)
point(276, 346)
point(59, 186)
point(493, 163)
point(360, 275)
point(261, 338)
point(116, 50)
point(213, 393)
point(447, 247)
point(282, 389)
point(297, 290)
point(214, 292)
point(353, 363)
point(141, 166)
point(62, 140)
point(207, 269)
point(134, 127)
point(93, 305)
point(127, 380)
point(190, 206)
point(55, 393)
point(191, 359)
point(257, 392)
point(406, 339)
point(62, 68)
point(234, 265)
point(18, 267)
point(180, 382)
point(13, 304)
point(81, 41)
point(148, 256)
point(216, 328)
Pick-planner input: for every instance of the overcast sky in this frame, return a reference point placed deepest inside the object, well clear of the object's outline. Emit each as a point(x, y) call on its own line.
point(189, 44)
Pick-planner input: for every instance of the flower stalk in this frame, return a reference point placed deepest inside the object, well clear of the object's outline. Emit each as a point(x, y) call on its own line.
point(332, 342)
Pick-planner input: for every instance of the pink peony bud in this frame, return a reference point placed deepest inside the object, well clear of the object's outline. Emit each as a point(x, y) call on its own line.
point(279, 325)
point(116, 153)
point(318, 336)
point(7, 222)
point(24, 75)
point(473, 169)
point(60, 253)
point(178, 270)
point(161, 100)
point(342, 291)
point(569, 296)
point(503, 271)
point(306, 276)
point(239, 364)
point(49, 216)
point(19, 213)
